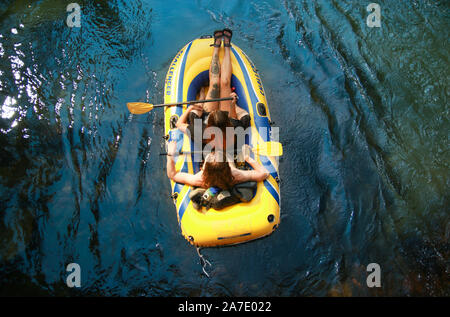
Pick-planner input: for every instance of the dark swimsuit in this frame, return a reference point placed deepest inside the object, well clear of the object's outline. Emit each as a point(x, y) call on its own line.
point(244, 122)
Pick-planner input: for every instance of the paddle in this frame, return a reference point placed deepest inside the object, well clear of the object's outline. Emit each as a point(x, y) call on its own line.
point(270, 148)
point(142, 107)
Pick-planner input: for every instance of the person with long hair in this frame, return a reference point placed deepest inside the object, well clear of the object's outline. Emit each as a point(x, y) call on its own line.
point(216, 123)
point(218, 170)
point(221, 114)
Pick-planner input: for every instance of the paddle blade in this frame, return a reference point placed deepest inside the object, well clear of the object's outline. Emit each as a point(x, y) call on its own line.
point(139, 107)
point(269, 149)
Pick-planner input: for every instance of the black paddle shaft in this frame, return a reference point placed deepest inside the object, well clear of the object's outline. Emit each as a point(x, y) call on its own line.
point(193, 152)
point(191, 102)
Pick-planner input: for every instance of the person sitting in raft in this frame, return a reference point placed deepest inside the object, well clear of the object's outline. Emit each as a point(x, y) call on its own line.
point(216, 119)
point(219, 87)
point(217, 171)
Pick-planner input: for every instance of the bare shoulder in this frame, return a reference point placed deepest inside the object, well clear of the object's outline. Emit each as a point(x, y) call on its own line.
point(238, 175)
point(241, 176)
point(189, 179)
point(196, 179)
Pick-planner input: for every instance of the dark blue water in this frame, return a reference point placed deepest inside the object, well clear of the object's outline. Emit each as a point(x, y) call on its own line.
point(363, 117)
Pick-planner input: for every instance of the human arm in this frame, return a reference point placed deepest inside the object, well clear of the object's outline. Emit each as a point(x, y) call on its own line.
point(232, 113)
point(180, 177)
point(182, 124)
point(259, 172)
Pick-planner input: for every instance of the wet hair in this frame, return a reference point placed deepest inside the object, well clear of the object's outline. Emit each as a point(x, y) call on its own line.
point(217, 172)
point(220, 119)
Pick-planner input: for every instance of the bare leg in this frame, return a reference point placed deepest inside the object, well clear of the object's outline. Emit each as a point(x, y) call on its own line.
point(202, 94)
point(234, 111)
point(225, 82)
point(214, 79)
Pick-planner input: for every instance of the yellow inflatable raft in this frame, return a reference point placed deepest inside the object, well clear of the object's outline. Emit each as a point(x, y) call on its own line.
point(241, 222)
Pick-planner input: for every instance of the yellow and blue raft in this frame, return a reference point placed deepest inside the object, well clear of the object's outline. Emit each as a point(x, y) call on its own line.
point(245, 221)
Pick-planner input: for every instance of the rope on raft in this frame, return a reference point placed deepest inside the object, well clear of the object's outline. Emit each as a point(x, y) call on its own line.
point(203, 261)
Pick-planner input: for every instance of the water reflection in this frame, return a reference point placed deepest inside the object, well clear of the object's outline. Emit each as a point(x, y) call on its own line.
point(364, 125)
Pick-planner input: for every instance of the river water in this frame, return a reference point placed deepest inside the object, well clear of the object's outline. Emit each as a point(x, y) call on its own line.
point(363, 118)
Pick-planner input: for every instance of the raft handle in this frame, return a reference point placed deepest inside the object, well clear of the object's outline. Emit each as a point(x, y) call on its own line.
point(173, 121)
point(261, 108)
